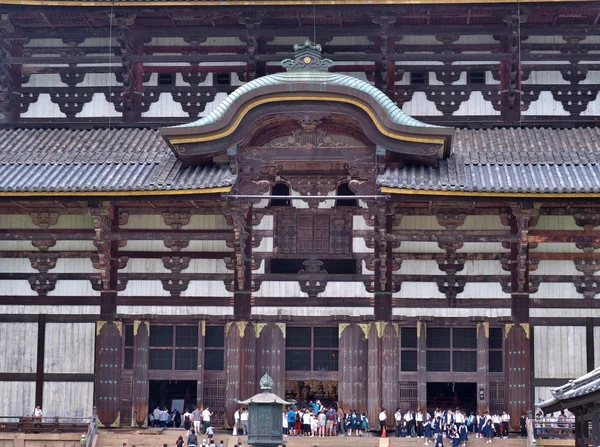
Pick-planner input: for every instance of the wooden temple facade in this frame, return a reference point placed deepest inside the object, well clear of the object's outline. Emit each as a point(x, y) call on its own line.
point(407, 216)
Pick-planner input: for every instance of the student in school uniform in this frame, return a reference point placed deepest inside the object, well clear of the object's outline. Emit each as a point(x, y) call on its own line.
point(439, 439)
point(505, 419)
point(428, 432)
point(488, 431)
point(523, 425)
point(463, 433)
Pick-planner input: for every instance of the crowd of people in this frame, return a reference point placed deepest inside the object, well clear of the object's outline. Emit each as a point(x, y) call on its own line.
point(315, 420)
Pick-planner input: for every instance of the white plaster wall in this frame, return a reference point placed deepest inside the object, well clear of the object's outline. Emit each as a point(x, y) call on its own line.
point(557, 291)
point(69, 348)
point(64, 222)
point(560, 352)
point(18, 398)
point(175, 310)
point(483, 290)
point(305, 311)
point(76, 287)
point(451, 312)
point(418, 247)
point(545, 105)
point(68, 399)
point(564, 313)
point(49, 310)
point(546, 267)
point(220, 246)
point(18, 347)
point(206, 289)
point(418, 290)
point(279, 289)
point(557, 223)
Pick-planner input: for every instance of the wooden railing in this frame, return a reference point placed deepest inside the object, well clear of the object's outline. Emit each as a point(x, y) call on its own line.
point(29, 424)
point(553, 428)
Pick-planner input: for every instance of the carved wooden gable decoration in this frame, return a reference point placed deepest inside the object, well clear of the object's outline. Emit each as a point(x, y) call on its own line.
point(308, 115)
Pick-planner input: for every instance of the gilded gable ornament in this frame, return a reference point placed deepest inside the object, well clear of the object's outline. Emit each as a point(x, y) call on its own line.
point(307, 57)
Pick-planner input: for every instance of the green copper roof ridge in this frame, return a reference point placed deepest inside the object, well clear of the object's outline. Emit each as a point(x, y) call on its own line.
point(395, 113)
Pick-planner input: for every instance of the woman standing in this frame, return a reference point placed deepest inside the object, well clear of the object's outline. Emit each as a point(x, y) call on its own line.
point(488, 431)
point(428, 432)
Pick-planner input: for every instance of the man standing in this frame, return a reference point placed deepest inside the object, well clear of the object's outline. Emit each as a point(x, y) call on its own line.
point(382, 420)
point(244, 420)
point(398, 419)
point(197, 418)
point(206, 414)
point(156, 416)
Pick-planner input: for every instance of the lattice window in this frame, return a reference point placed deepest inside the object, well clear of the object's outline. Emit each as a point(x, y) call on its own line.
point(126, 401)
point(286, 233)
point(214, 398)
point(407, 395)
point(497, 403)
point(321, 234)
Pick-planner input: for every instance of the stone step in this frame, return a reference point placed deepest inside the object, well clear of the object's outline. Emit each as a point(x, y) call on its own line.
point(143, 438)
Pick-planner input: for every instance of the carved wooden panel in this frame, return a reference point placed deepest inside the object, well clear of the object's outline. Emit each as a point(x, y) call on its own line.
point(320, 234)
point(286, 233)
point(305, 234)
point(309, 233)
point(340, 234)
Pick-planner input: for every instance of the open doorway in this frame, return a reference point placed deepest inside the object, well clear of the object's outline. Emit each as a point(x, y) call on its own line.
point(305, 391)
point(173, 394)
point(452, 395)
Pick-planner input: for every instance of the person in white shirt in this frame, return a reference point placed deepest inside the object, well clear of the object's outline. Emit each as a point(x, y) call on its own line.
point(382, 420)
point(505, 419)
point(419, 421)
point(284, 424)
point(398, 419)
point(37, 412)
point(409, 421)
point(206, 414)
point(236, 422)
point(496, 421)
point(244, 420)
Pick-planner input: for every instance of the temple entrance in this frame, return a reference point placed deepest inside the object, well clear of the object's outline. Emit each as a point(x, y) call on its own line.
point(173, 394)
point(452, 395)
point(305, 391)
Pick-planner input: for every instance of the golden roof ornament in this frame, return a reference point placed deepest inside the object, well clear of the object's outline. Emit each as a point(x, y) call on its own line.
point(307, 57)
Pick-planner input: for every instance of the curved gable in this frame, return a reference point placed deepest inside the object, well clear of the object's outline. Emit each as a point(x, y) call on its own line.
point(307, 85)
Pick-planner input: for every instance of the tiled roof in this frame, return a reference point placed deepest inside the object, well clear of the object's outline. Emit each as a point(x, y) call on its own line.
point(510, 160)
point(63, 160)
point(587, 384)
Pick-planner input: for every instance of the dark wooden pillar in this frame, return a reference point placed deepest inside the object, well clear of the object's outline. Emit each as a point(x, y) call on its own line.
point(374, 361)
point(595, 427)
point(240, 364)
point(517, 352)
point(141, 385)
point(200, 378)
point(352, 388)
point(483, 365)
point(422, 364)
point(390, 368)
point(270, 354)
point(41, 353)
point(590, 344)
point(108, 372)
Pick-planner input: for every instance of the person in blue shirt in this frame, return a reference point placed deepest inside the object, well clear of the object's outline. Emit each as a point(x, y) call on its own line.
point(428, 432)
point(291, 417)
